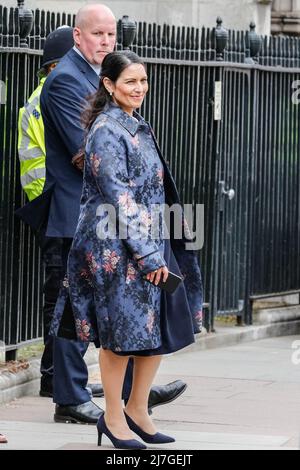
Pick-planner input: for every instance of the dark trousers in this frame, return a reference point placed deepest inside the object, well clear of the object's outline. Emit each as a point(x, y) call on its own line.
point(62, 365)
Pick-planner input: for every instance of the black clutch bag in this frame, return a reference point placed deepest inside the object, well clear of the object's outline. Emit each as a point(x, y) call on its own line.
point(171, 283)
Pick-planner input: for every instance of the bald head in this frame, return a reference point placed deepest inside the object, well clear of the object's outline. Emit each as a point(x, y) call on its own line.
point(95, 32)
point(89, 11)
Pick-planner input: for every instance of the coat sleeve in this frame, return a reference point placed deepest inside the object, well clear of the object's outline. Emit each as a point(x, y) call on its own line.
point(107, 155)
point(63, 102)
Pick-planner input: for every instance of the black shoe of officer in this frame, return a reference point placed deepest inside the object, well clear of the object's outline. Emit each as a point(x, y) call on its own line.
point(163, 394)
point(85, 413)
point(96, 390)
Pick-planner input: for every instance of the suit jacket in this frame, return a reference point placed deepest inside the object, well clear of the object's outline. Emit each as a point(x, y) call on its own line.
point(62, 101)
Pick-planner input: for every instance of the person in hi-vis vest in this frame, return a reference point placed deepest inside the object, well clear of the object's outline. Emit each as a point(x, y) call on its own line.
point(31, 138)
point(32, 156)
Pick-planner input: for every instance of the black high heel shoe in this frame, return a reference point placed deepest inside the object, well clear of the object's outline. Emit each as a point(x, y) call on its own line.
point(157, 438)
point(117, 443)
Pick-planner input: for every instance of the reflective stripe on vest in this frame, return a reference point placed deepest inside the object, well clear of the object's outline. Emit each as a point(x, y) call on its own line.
point(29, 153)
point(32, 175)
point(35, 188)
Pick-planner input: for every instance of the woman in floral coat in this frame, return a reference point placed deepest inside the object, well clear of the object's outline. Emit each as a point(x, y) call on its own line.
point(125, 177)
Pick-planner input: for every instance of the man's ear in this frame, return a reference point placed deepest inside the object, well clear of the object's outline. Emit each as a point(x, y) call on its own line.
point(76, 36)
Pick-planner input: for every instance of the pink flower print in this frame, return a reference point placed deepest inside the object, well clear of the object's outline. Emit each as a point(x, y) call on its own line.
point(160, 175)
point(141, 263)
point(131, 273)
point(131, 184)
point(83, 329)
point(100, 123)
point(111, 260)
point(86, 275)
point(150, 320)
point(199, 317)
point(127, 204)
point(135, 141)
point(92, 263)
point(95, 163)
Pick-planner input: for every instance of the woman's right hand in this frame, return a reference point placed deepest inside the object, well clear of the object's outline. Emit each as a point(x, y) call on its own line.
point(156, 275)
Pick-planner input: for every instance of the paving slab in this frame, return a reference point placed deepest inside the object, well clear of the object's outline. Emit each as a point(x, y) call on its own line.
point(245, 396)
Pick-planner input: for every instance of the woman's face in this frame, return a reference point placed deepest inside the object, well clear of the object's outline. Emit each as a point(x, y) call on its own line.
point(131, 87)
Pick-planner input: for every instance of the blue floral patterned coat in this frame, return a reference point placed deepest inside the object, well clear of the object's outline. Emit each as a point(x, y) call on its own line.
point(110, 299)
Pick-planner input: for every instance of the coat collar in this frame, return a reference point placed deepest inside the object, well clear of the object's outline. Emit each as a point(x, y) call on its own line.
point(131, 124)
point(84, 67)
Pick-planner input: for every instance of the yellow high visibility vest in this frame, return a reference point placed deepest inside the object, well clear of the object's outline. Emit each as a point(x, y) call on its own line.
point(31, 145)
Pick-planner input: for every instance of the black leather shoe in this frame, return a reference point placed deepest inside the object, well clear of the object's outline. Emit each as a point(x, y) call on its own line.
point(86, 413)
point(96, 389)
point(163, 394)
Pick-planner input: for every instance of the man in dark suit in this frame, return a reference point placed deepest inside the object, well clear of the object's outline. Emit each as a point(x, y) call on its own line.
point(62, 101)
point(31, 147)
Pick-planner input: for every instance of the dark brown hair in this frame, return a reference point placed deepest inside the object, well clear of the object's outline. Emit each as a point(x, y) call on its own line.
point(112, 67)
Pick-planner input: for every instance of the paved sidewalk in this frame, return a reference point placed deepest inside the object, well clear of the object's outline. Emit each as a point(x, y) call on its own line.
point(245, 396)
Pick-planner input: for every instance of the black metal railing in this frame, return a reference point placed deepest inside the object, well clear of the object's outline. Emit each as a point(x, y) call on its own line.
point(221, 105)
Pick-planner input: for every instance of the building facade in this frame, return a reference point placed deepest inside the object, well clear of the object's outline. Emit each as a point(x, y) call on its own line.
point(236, 14)
point(286, 17)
